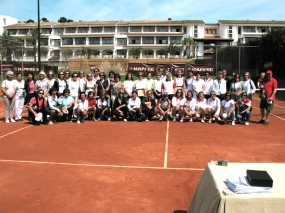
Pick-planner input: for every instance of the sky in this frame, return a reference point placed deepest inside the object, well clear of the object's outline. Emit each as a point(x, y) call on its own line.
point(210, 11)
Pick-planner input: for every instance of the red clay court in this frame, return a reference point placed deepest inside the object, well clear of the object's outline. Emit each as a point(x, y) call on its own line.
point(123, 167)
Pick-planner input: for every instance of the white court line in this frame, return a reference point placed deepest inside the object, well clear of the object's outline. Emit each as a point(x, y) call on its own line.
point(99, 165)
point(274, 104)
point(15, 131)
point(166, 146)
point(271, 114)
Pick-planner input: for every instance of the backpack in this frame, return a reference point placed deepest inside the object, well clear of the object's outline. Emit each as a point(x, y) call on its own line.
point(141, 117)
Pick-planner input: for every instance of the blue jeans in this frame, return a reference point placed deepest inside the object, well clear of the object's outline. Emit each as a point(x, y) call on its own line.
point(245, 115)
point(232, 115)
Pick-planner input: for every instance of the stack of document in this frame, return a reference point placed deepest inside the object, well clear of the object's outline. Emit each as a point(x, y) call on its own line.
point(240, 185)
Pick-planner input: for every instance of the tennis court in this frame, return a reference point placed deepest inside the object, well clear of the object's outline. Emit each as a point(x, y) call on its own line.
point(123, 167)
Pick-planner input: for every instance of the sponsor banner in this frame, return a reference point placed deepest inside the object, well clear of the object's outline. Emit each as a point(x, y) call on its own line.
point(17, 68)
point(135, 68)
point(161, 67)
point(200, 68)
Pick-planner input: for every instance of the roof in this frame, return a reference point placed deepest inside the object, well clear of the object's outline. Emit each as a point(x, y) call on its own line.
point(250, 22)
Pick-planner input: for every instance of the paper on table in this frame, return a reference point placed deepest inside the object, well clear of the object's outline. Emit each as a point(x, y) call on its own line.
point(240, 185)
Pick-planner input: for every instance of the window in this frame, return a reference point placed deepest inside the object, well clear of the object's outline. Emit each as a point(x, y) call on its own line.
point(162, 41)
point(249, 29)
point(44, 41)
point(109, 29)
point(135, 41)
point(176, 29)
point(58, 31)
point(175, 41)
point(262, 29)
point(239, 30)
point(195, 31)
point(230, 31)
point(121, 41)
point(83, 29)
point(148, 41)
point(184, 30)
point(46, 31)
point(136, 29)
point(80, 41)
point(96, 29)
point(67, 41)
point(55, 42)
point(13, 32)
point(148, 29)
point(70, 30)
point(162, 29)
point(108, 41)
point(94, 40)
point(23, 31)
point(123, 29)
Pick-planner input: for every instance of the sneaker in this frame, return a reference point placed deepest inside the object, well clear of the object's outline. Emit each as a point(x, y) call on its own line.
point(261, 121)
point(161, 118)
point(265, 122)
point(219, 118)
point(94, 119)
point(50, 122)
point(109, 119)
point(210, 121)
point(7, 121)
point(202, 121)
point(177, 115)
point(191, 119)
point(98, 119)
point(214, 119)
point(174, 119)
point(125, 120)
point(146, 120)
point(78, 122)
point(233, 123)
point(246, 123)
point(12, 120)
point(181, 120)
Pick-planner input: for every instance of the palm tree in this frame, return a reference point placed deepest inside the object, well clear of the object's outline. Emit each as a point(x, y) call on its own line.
point(135, 52)
point(188, 43)
point(33, 37)
point(8, 43)
point(172, 49)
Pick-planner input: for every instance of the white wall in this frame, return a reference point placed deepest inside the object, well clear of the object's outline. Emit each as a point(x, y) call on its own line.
point(5, 21)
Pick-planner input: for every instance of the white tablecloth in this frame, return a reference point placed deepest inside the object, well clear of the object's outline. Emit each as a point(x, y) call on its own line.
point(212, 194)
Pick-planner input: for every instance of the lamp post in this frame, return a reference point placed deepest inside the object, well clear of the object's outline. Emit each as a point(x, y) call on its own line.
point(39, 39)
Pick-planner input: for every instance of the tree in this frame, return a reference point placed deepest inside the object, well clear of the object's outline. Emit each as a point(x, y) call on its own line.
point(69, 20)
point(272, 48)
point(62, 20)
point(45, 20)
point(33, 37)
point(172, 49)
point(30, 21)
point(188, 46)
point(8, 44)
point(135, 52)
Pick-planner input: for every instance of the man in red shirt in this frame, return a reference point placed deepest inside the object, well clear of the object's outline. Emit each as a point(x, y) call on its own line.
point(270, 87)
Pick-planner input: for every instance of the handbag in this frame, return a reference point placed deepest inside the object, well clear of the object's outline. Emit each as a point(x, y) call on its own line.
point(2, 93)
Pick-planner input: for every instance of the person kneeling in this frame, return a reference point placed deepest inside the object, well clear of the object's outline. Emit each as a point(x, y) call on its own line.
point(120, 106)
point(81, 108)
point(37, 108)
point(134, 105)
point(244, 109)
point(53, 106)
point(164, 107)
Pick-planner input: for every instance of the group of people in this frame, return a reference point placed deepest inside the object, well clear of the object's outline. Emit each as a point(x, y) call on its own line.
point(95, 97)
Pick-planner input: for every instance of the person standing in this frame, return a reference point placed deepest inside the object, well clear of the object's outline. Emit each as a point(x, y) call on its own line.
point(249, 86)
point(227, 79)
point(9, 89)
point(208, 85)
point(220, 86)
point(20, 97)
point(267, 104)
point(198, 85)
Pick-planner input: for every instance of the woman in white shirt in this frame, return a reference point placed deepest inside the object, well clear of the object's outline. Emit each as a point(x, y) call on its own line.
point(9, 89)
point(103, 107)
point(50, 79)
point(175, 102)
point(188, 106)
point(180, 82)
point(157, 88)
point(208, 85)
point(128, 85)
point(220, 86)
point(167, 86)
point(189, 81)
point(201, 106)
point(214, 107)
point(244, 109)
point(249, 86)
point(74, 87)
point(81, 108)
point(228, 109)
point(134, 105)
point(42, 83)
point(53, 106)
point(60, 84)
point(148, 81)
point(140, 86)
point(90, 84)
point(20, 97)
point(82, 80)
point(164, 107)
point(198, 85)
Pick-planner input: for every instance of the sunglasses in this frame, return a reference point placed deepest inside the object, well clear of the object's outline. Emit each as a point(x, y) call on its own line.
point(75, 76)
point(228, 95)
point(41, 93)
point(101, 75)
point(178, 92)
point(121, 93)
point(117, 77)
point(61, 74)
point(213, 94)
point(236, 77)
point(245, 95)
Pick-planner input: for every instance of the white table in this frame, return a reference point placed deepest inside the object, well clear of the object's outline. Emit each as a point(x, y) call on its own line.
point(213, 195)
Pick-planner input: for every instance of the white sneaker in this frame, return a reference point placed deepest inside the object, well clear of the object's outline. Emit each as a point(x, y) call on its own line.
point(181, 120)
point(98, 119)
point(146, 120)
point(202, 121)
point(109, 119)
point(210, 121)
point(174, 119)
point(219, 118)
point(50, 122)
point(191, 119)
point(233, 123)
point(125, 120)
point(7, 121)
point(12, 120)
point(161, 118)
point(214, 119)
point(246, 123)
point(78, 122)
point(177, 115)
